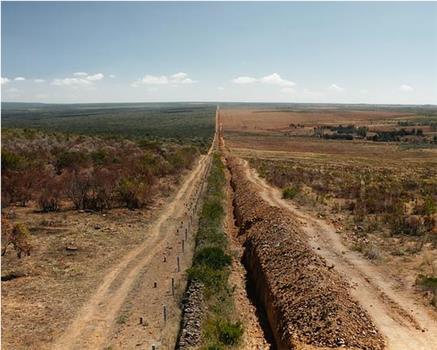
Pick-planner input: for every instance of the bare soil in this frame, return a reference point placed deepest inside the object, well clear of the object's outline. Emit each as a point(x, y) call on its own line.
point(266, 121)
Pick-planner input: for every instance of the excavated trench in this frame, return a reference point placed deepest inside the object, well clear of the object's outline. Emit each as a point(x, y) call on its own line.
point(305, 303)
point(255, 282)
point(260, 312)
point(251, 281)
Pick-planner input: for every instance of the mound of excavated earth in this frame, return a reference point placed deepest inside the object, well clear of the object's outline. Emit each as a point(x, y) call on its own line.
point(307, 303)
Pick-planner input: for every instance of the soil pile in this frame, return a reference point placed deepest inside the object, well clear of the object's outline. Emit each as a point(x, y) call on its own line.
point(307, 303)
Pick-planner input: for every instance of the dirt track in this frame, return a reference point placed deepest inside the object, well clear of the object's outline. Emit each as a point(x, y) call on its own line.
point(91, 327)
point(127, 292)
point(404, 323)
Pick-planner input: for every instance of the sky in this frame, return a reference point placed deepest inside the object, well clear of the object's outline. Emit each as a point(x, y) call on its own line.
point(340, 52)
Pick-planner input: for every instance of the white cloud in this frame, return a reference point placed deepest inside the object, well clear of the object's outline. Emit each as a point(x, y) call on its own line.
point(80, 79)
point(180, 78)
point(112, 76)
point(20, 79)
point(221, 88)
point(405, 87)
point(39, 80)
point(4, 80)
point(174, 79)
point(272, 79)
point(364, 91)
point(275, 79)
point(12, 90)
point(244, 80)
point(71, 82)
point(336, 88)
point(98, 76)
point(154, 80)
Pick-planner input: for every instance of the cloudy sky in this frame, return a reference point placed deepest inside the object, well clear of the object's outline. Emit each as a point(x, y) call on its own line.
point(288, 52)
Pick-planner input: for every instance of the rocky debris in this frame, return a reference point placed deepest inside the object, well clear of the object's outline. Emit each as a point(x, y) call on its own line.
point(192, 310)
point(306, 301)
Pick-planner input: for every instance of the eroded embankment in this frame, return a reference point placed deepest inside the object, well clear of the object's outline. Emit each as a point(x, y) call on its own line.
point(307, 303)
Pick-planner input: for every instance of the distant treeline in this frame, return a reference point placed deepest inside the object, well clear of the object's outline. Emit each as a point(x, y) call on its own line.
point(181, 122)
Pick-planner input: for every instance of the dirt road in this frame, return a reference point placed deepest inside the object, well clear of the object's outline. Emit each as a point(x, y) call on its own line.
point(405, 324)
point(136, 274)
point(92, 326)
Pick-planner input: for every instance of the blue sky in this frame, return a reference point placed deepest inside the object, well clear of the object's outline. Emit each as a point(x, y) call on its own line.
point(289, 52)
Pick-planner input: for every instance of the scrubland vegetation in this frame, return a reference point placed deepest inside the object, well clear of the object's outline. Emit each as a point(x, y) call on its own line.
point(59, 171)
point(402, 200)
point(211, 267)
point(182, 123)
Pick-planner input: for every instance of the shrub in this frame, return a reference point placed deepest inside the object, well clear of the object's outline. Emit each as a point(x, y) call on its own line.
point(213, 279)
point(52, 190)
point(69, 159)
point(212, 209)
point(133, 193)
point(103, 183)
point(429, 206)
point(19, 237)
point(230, 333)
point(289, 192)
point(99, 157)
point(212, 257)
point(407, 224)
point(48, 202)
point(428, 283)
point(78, 184)
point(12, 161)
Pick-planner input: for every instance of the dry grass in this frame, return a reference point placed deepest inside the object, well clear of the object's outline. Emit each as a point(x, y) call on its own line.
point(72, 250)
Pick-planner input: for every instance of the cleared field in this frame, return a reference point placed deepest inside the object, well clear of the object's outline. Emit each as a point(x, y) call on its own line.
point(279, 146)
point(277, 120)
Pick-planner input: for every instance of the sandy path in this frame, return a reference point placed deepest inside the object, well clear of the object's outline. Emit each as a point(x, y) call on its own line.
point(405, 324)
point(94, 323)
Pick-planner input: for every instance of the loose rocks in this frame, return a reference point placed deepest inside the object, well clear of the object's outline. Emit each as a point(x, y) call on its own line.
point(192, 308)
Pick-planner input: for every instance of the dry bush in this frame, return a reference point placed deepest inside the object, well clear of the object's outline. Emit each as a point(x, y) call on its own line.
point(88, 172)
point(19, 237)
